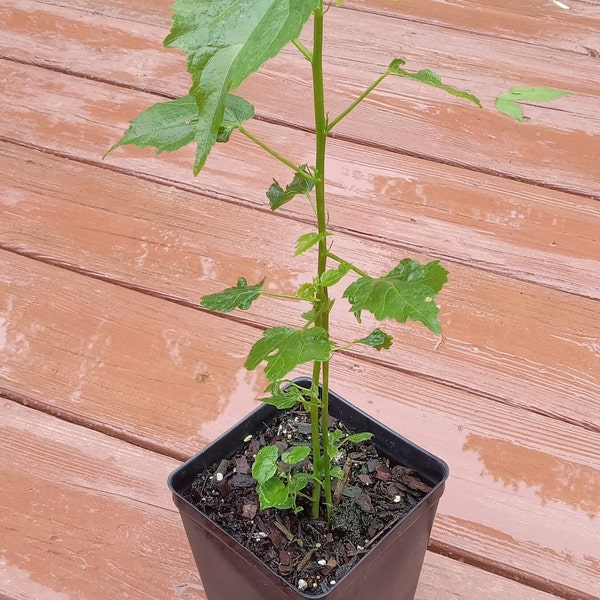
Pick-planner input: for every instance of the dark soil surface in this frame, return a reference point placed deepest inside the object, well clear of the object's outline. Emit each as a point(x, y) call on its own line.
point(312, 555)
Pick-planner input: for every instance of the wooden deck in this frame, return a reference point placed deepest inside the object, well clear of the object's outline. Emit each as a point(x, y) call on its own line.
point(110, 373)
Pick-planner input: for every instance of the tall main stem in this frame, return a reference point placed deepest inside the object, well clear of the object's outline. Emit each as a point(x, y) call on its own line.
point(323, 308)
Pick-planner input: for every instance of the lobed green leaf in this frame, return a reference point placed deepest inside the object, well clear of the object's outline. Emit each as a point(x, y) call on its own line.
point(166, 126)
point(241, 296)
point(284, 348)
point(407, 292)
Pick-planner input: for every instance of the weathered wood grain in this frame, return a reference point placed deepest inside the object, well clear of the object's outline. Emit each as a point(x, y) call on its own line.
point(180, 245)
point(170, 378)
point(98, 512)
point(552, 150)
point(490, 223)
point(575, 29)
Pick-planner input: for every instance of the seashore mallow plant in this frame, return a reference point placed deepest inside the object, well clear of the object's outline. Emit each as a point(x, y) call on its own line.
point(225, 42)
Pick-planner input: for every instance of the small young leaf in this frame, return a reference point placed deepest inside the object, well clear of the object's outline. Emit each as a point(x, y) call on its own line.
point(337, 472)
point(334, 437)
point(357, 438)
point(300, 185)
point(430, 78)
point(284, 348)
point(265, 463)
point(299, 481)
point(306, 241)
point(240, 296)
point(295, 455)
point(407, 292)
point(506, 102)
point(509, 107)
point(308, 292)
point(274, 493)
point(237, 110)
point(377, 339)
point(536, 94)
point(332, 276)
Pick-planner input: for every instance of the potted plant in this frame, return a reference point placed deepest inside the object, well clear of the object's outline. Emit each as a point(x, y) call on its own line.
point(307, 496)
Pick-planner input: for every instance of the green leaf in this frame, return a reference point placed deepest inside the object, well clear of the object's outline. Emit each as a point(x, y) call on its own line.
point(299, 481)
point(283, 398)
point(536, 94)
point(265, 463)
point(296, 455)
point(284, 349)
point(166, 126)
point(306, 241)
point(357, 438)
point(300, 185)
point(337, 472)
point(241, 296)
point(274, 493)
point(377, 339)
point(506, 102)
point(430, 78)
point(332, 276)
point(308, 292)
point(225, 42)
point(509, 107)
point(407, 292)
point(334, 442)
point(237, 110)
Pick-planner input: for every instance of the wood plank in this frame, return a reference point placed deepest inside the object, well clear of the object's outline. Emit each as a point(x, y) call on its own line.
point(83, 512)
point(502, 226)
point(556, 150)
point(181, 245)
point(575, 29)
point(98, 516)
point(169, 377)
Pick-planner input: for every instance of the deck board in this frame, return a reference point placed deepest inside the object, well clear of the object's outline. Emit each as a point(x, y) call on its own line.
point(109, 335)
point(131, 242)
point(124, 522)
point(106, 357)
point(419, 120)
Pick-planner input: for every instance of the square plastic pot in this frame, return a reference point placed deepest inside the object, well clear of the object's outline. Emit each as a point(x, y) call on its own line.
point(390, 570)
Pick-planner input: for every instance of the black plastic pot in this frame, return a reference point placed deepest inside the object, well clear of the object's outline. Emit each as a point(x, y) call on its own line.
point(390, 570)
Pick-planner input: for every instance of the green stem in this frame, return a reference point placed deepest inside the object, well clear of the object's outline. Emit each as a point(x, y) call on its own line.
point(323, 309)
point(335, 121)
point(276, 154)
point(316, 448)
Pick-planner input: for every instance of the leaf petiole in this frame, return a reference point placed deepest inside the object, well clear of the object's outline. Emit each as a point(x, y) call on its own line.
point(303, 50)
point(345, 113)
point(276, 155)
